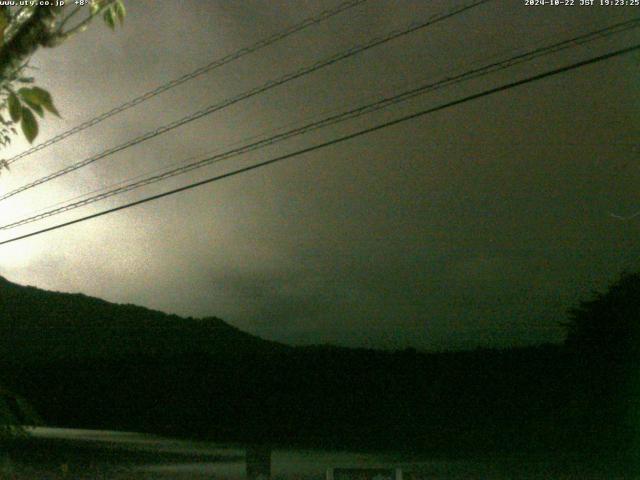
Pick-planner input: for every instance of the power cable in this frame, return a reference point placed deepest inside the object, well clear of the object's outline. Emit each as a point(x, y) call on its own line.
point(330, 120)
point(243, 96)
point(578, 40)
point(335, 141)
point(324, 15)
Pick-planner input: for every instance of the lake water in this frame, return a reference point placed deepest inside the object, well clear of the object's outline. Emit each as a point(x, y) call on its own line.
point(68, 453)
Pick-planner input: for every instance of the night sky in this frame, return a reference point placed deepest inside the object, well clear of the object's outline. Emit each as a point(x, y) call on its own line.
point(475, 226)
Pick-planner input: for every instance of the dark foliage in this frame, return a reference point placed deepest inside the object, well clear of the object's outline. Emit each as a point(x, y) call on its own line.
point(603, 341)
point(607, 326)
point(84, 362)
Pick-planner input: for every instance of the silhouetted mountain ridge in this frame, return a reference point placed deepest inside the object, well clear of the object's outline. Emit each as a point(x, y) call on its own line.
point(84, 362)
point(48, 324)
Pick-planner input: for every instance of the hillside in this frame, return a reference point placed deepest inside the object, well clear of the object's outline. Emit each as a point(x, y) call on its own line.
point(39, 324)
point(83, 362)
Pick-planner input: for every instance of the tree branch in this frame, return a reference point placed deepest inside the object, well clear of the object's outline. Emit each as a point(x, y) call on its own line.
point(32, 31)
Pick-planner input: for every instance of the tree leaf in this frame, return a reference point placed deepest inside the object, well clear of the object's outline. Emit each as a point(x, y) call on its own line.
point(41, 97)
point(51, 108)
point(120, 11)
point(15, 109)
point(35, 107)
point(36, 98)
point(34, 95)
point(95, 7)
point(29, 125)
point(30, 95)
point(5, 19)
point(109, 18)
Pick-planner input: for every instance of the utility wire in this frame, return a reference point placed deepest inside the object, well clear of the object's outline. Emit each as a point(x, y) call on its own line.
point(341, 139)
point(263, 134)
point(369, 96)
point(577, 40)
point(324, 15)
point(413, 27)
point(330, 120)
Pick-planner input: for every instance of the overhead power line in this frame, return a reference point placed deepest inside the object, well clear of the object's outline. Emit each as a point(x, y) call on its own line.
point(337, 140)
point(331, 120)
point(576, 40)
point(251, 93)
point(308, 22)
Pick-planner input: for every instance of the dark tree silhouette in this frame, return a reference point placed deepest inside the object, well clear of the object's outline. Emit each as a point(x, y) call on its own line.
point(604, 342)
point(606, 327)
